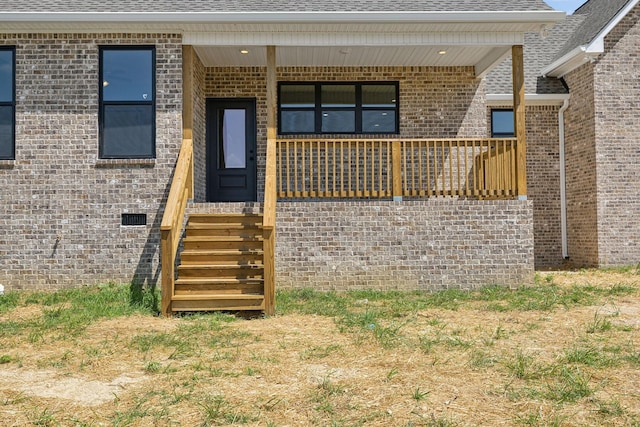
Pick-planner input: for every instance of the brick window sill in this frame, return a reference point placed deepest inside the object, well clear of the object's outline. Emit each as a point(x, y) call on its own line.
point(115, 163)
point(7, 164)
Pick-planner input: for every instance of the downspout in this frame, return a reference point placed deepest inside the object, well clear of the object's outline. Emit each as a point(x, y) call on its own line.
point(563, 180)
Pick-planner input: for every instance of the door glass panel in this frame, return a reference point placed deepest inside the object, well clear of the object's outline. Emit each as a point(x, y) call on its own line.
point(232, 139)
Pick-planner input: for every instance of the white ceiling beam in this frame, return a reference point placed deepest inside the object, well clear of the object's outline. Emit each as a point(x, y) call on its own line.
point(495, 57)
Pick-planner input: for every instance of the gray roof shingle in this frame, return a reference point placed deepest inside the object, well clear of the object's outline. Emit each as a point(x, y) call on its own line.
point(271, 5)
point(538, 52)
point(596, 14)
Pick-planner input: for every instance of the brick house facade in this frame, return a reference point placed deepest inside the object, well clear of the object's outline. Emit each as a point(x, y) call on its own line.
point(64, 204)
point(599, 68)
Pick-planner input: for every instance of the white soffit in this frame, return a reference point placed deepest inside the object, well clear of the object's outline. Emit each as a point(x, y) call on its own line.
point(217, 56)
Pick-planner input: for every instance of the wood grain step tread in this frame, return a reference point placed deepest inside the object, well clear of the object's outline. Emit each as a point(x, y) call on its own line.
point(229, 266)
point(218, 281)
point(208, 297)
point(223, 239)
point(213, 252)
point(232, 215)
point(231, 226)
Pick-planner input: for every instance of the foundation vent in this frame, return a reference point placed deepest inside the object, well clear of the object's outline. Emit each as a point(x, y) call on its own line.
point(134, 219)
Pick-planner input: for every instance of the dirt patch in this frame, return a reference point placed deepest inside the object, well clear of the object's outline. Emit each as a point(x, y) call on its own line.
point(80, 391)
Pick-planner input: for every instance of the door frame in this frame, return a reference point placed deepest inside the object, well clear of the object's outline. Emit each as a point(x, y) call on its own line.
point(212, 105)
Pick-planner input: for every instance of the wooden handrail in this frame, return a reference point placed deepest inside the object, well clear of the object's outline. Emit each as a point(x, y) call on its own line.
point(171, 227)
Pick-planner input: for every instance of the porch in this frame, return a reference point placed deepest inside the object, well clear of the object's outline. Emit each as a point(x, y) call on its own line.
point(399, 168)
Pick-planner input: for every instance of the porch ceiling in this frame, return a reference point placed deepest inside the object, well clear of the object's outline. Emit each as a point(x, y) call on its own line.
point(443, 55)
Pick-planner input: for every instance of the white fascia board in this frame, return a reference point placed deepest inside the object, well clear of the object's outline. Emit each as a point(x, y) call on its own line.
point(587, 52)
point(569, 62)
point(526, 18)
point(506, 99)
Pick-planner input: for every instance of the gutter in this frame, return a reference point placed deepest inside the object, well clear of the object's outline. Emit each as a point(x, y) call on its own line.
point(563, 180)
point(572, 60)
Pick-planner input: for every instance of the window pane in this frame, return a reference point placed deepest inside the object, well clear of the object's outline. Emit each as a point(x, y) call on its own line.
point(127, 75)
point(6, 132)
point(379, 96)
point(232, 139)
point(6, 76)
point(128, 131)
point(297, 122)
point(379, 121)
point(297, 96)
point(502, 123)
point(338, 121)
point(338, 95)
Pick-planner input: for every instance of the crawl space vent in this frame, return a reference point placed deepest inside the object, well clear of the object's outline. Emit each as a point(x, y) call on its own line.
point(134, 219)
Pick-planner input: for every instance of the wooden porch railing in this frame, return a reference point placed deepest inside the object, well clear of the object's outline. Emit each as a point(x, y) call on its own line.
point(171, 227)
point(379, 168)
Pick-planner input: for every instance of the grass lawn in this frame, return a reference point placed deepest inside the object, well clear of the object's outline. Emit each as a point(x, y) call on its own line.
point(564, 352)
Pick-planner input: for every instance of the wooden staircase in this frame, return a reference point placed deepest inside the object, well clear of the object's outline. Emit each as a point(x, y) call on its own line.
point(221, 265)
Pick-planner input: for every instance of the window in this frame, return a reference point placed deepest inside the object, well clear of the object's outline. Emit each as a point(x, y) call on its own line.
point(7, 103)
point(502, 124)
point(338, 108)
point(127, 102)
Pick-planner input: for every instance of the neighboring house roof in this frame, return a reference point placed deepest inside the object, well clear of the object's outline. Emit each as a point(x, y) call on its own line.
point(271, 5)
point(599, 17)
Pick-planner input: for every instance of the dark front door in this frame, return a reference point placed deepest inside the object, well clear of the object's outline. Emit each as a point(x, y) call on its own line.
point(231, 150)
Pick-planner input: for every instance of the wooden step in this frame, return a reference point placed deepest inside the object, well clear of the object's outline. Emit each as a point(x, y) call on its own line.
point(223, 242)
point(237, 230)
point(206, 286)
point(221, 270)
point(221, 264)
point(225, 218)
point(221, 256)
point(231, 302)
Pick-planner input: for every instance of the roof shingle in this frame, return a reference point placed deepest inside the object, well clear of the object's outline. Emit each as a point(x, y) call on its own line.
point(596, 14)
point(97, 6)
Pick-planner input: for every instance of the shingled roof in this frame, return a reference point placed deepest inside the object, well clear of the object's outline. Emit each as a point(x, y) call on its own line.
point(595, 14)
point(539, 51)
point(580, 29)
point(142, 6)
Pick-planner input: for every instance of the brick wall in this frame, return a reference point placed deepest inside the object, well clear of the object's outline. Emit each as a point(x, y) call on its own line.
point(580, 154)
point(543, 180)
point(199, 130)
point(435, 102)
point(543, 183)
point(410, 245)
point(617, 150)
point(61, 205)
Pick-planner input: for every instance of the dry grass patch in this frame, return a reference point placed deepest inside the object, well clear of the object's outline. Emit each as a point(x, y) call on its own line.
point(563, 352)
